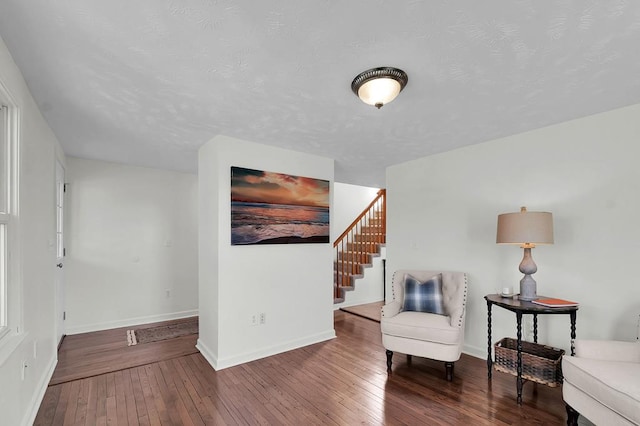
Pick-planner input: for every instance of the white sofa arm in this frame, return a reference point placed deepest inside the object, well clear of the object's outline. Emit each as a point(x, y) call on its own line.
point(391, 309)
point(608, 350)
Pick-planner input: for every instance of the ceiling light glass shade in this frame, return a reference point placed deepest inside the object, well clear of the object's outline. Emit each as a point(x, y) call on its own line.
point(380, 91)
point(379, 86)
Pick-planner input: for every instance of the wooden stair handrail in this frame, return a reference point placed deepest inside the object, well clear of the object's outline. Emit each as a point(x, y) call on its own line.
point(355, 246)
point(381, 193)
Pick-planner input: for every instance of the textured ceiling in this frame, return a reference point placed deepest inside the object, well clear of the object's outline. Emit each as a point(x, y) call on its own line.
point(147, 82)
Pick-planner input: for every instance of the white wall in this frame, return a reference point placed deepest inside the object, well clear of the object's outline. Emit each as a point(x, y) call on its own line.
point(290, 283)
point(349, 201)
point(20, 399)
point(131, 245)
point(442, 213)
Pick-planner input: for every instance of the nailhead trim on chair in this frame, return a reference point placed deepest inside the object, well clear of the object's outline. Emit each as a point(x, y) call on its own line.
point(464, 302)
point(393, 288)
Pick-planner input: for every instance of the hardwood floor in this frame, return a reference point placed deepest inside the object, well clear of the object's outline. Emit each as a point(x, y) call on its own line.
point(342, 382)
point(90, 354)
point(372, 311)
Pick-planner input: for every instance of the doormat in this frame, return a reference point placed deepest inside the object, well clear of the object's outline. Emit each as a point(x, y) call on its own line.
point(163, 332)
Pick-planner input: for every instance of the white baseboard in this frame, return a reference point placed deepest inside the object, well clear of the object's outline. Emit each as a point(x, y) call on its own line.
point(129, 322)
point(38, 395)
point(219, 364)
point(475, 351)
point(207, 354)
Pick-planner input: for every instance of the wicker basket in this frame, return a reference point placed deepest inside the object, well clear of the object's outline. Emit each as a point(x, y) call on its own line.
point(540, 363)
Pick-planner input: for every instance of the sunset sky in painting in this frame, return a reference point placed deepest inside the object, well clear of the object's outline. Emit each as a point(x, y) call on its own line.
point(256, 186)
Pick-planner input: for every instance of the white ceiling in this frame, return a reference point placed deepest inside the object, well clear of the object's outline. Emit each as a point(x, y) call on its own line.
point(147, 82)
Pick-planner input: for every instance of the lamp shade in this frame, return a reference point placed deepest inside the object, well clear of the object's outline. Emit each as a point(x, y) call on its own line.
point(525, 227)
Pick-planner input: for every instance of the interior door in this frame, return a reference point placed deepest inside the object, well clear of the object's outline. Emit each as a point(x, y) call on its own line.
point(59, 274)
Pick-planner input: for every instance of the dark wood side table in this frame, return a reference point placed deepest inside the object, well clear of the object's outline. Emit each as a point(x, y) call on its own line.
point(521, 307)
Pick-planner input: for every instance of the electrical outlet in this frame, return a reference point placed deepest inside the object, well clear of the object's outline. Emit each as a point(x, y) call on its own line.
point(254, 319)
point(263, 318)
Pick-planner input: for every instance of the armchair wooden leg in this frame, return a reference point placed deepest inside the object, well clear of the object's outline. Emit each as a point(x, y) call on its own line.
point(389, 356)
point(449, 370)
point(572, 416)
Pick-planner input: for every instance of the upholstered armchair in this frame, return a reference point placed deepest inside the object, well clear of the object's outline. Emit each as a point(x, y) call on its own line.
point(426, 316)
point(602, 382)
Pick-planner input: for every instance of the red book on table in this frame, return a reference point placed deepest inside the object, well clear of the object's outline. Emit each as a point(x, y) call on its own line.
point(555, 303)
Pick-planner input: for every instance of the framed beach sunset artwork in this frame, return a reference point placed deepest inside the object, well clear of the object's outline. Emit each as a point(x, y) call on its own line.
point(276, 208)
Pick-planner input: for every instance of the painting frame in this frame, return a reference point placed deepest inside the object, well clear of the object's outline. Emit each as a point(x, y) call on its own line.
point(278, 208)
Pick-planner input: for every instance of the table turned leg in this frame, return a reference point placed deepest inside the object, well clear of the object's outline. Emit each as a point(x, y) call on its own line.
point(573, 332)
point(519, 351)
point(489, 359)
point(535, 328)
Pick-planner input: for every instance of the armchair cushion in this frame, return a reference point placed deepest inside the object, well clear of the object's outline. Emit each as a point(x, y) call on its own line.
point(418, 326)
point(423, 296)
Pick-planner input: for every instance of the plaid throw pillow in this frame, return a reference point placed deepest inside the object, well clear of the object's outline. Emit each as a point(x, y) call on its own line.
point(423, 296)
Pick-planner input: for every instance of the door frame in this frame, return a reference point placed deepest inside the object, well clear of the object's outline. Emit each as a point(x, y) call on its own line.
point(60, 252)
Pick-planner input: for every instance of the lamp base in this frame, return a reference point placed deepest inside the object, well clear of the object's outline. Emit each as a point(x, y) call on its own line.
point(528, 288)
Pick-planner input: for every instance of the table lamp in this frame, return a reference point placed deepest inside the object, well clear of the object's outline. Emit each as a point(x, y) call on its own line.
point(526, 229)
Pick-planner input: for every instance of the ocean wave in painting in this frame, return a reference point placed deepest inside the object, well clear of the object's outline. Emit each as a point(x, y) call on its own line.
point(255, 223)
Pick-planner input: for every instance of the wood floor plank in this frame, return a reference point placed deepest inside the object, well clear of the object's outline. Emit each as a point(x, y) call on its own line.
point(92, 401)
point(121, 399)
point(138, 397)
point(217, 390)
point(101, 399)
point(184, 401)
point(204, 379)
point(337, 382)
point(90, 354)
point(175, 407)
point(112, 411)
point(149, 402)
point(81, 407)
point(48, 406)
point(72, 403)
point(179, 365)
point(158, 399)
point(130, 399)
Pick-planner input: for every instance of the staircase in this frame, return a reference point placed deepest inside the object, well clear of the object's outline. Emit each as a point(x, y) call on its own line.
point(358, 245)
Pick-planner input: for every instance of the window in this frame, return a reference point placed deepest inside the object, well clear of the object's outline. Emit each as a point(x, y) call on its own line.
point(4, 215)
point(3, 279)
point(4, 169)
point(10, 301)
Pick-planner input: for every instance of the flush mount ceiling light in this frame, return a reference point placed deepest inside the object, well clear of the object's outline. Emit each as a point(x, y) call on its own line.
point(379, 86)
